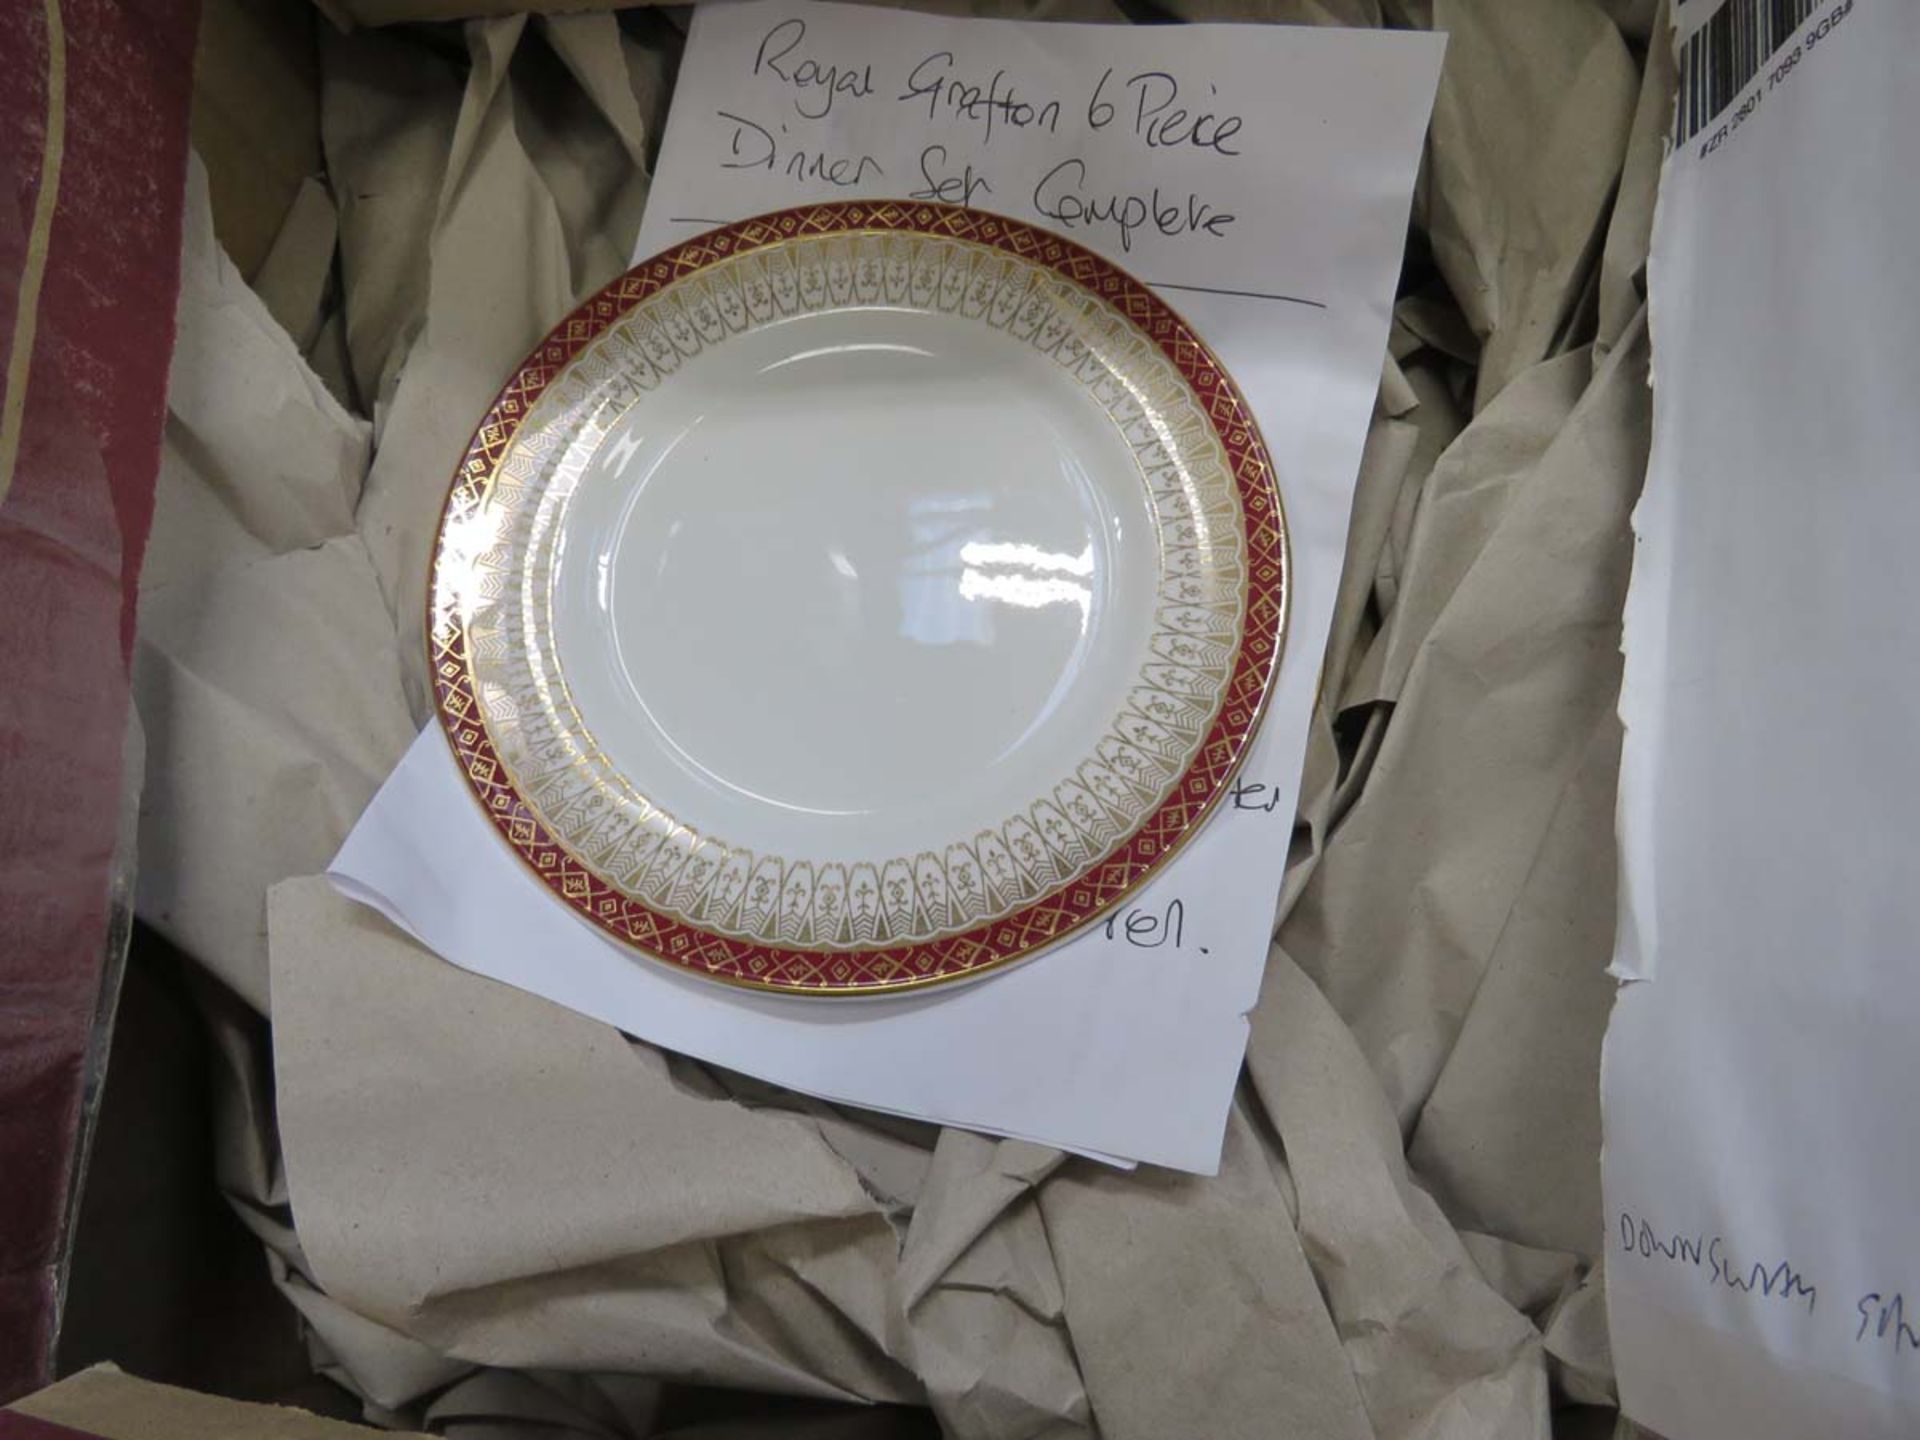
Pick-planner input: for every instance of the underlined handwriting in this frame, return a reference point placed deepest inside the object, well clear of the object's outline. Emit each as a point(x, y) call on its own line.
point(807, 95)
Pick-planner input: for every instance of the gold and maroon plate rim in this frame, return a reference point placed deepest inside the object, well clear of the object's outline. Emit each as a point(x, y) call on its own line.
point(1055, 916)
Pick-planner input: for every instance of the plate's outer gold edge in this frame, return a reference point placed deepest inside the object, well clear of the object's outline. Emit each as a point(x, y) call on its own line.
point(859, 218)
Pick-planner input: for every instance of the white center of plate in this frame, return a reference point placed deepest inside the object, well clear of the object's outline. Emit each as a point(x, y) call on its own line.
point(856, 585)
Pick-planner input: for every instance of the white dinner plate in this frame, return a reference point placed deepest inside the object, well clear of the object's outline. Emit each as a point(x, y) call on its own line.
point(858, 597)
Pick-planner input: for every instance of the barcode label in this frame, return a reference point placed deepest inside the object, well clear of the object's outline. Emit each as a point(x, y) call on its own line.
point(1725, 53)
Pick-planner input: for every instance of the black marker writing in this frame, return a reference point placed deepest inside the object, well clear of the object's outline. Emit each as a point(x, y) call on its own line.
point(1641, 1240)
point(751, 148)
point(1252, 795)
point(1162, 124)
point(995, 102)
point(1147, 930)
point(1100, 112)
point(1887, 1319)
point(1111, 189)
point(754, 147)
point(1062, 196)
point(809, 78)
point(1781, 1279)
point(1778, 1280)
point(952, 189)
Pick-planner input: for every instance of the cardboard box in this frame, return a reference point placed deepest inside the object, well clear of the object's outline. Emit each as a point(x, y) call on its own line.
point(93, 146)
point(104, 1403)
point(159, 1295)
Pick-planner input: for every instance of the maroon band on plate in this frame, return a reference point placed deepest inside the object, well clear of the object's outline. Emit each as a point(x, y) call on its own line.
point(1068, 908)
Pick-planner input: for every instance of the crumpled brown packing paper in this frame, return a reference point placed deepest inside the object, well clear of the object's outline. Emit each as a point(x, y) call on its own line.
point(510, 249)
point(104, 1402)
point(264, 670)
point(549, 1195)
point(498, 1218)
point(1529, 129)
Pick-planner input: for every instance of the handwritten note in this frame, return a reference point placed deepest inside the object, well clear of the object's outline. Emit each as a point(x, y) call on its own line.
point(1874, 1318)
point(1715, 1261)
point(1148, 109)
point(1152, 929)
point(1176, 153)
point(1263, 173)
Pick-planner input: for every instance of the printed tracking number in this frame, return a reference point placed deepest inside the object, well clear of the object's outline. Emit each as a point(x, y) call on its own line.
point(1740, 41)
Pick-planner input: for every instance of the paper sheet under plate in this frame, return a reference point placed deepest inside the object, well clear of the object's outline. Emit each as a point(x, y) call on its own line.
point(1279, 238)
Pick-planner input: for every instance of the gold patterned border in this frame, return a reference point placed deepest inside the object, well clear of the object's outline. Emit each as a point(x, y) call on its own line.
point(647, 853)
point(1068, 906)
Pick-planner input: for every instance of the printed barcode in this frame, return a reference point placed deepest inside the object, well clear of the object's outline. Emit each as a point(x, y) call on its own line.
point(1727, 51)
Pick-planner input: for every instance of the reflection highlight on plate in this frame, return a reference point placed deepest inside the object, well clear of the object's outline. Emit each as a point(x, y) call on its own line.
point(939, 589)
point(1028, 557)
point(1026, 575)
point(845, 349)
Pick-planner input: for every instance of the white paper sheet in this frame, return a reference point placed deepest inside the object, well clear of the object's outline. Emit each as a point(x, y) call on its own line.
point(1762, 1147)
point(1277, 232)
